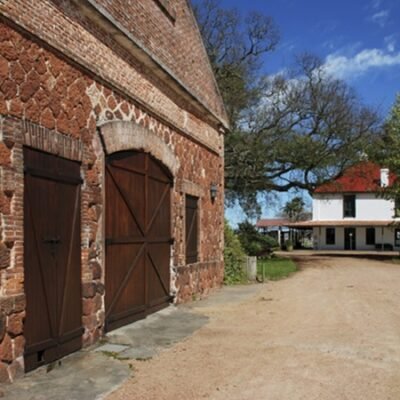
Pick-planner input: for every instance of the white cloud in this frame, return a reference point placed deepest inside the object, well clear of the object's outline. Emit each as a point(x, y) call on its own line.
point(391, 47)
point(344, 67)
point(376, 3)
point(391, 42)
point(380, 18)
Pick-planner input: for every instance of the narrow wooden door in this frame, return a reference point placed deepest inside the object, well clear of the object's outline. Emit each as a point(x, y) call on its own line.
point(138, 237)
point(349, 239)
point(53, 324)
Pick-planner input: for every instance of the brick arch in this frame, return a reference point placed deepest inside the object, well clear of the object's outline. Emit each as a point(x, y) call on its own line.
point(127, 135)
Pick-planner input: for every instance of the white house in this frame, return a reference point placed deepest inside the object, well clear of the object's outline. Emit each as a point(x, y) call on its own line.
point(349, 213)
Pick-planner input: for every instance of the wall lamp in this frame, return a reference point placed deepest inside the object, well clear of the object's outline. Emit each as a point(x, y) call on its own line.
point(213, 191)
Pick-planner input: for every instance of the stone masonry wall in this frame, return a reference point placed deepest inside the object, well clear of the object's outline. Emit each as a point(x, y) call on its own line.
point(48, 102)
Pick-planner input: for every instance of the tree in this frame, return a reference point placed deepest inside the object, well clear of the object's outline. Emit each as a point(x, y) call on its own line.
point(234, 257)
point(253, 242)
point(297, 129)
point(294, 209)
point(387, 153)
point(235, 46)
point(308, 129)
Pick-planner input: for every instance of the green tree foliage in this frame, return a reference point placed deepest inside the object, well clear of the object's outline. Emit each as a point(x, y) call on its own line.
point(387, 153)
point(306, 130)
point(295, 209)
point(297, 129)
point(253, 242)
point(234, 257)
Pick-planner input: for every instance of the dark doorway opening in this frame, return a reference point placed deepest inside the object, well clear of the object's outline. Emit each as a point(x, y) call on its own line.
point(350, 239)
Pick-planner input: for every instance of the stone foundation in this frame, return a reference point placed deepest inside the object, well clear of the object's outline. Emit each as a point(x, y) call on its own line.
point(197, 280)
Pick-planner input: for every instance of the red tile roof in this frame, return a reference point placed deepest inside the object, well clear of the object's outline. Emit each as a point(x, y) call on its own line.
point(363, 177)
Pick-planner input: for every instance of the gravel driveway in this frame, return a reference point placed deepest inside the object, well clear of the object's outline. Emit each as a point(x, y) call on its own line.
point(331, 331)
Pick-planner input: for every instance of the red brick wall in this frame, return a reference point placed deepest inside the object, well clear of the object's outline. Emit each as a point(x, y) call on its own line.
point(48, 102)
point(78, 38)
point(176, 43)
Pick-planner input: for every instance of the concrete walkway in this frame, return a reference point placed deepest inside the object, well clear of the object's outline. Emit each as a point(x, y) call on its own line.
point(93, 373)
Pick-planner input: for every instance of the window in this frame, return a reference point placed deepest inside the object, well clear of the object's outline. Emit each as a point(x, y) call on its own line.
point(349, 206)
point(330, 236)
point(167, 9)
point(397, 207)
point(370, 236)
point(397, 237)
point(191, 216)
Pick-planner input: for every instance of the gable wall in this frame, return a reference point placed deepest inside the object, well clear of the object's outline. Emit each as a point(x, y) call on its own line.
point(175, 43)
point(92, 48)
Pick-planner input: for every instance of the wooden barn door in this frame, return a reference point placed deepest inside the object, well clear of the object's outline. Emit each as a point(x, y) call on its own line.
point(138, 237)
point(52, 258)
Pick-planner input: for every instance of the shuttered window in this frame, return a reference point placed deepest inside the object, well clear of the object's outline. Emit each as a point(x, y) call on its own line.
point(349, 206)
point(192, 217)
point(397, 207)
point(397, 237)
point(167, 8)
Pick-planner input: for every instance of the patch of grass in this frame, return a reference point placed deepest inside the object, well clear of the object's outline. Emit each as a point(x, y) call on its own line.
point(276, 267)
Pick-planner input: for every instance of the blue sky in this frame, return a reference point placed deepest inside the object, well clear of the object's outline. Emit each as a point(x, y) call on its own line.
point(358, 40)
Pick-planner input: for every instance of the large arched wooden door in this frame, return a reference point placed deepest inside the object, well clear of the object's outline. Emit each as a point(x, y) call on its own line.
point(138, 237)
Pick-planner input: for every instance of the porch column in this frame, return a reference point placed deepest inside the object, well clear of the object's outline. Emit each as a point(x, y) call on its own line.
point(279, 237)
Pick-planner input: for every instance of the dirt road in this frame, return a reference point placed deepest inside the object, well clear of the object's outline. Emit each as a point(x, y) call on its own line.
point(331, 331)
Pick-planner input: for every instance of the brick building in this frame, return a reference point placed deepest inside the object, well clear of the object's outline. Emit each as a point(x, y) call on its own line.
point(111, 166)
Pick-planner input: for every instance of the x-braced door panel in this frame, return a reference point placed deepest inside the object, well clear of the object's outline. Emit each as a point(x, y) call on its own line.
point(138, 237)
point(52, 258)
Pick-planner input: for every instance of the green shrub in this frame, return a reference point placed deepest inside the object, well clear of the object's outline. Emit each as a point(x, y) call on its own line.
point(234, 257)
point(253, 242)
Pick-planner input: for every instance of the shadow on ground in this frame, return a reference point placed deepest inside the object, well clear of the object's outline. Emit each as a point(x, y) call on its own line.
point(92, 374)
point(83, 375)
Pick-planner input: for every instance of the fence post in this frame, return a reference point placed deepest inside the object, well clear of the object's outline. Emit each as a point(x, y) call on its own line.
point(251, 268)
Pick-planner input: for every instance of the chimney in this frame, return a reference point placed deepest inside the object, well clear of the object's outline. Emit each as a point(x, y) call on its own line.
point(384, 177)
